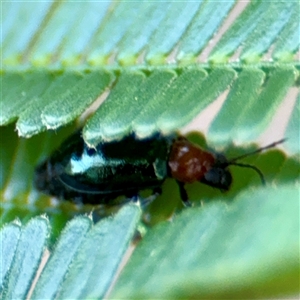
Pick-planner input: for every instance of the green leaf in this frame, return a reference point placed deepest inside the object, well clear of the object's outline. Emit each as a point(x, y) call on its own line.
point(25, 263)
point(260, 112)
point(25, 91)
point(63, 254)
point(108, 116)
point(249, 247)
point(142, 29)
point(10, 235)
point(74, 264)
point(247, 86)
point(293, 129)
point(258, 42)
point(174, 24)
point(288, 44)
point(74, 43)
point(189, 105)
point(30, 120)
point(239, 31)
point(73, 102)
point(121, 20)
point(65, 32)
point(242, 120)
point(209, 17)
point(219, 250)
point(15, 35)
point(102, 251)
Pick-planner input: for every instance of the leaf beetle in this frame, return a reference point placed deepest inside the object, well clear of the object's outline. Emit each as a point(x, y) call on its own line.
point(123, 168)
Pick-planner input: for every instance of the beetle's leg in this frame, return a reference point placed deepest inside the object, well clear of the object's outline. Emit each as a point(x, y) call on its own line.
point(132, 197)
point(183, 194)
point(156, 192)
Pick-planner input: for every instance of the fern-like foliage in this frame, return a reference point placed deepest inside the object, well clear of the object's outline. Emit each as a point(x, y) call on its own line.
point(121, 67)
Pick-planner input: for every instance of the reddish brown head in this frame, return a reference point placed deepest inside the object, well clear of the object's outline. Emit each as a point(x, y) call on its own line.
point(189, 163)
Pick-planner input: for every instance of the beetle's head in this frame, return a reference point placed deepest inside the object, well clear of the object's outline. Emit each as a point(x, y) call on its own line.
point(218, 177)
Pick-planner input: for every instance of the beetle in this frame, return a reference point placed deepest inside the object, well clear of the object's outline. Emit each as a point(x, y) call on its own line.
point(117, 168)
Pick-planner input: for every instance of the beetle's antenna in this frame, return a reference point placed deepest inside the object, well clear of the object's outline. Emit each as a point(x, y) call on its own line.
point(231, 162)
point(258, 171)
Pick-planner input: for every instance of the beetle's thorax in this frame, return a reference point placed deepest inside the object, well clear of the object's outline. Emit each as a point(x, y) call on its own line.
point(188, 162)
